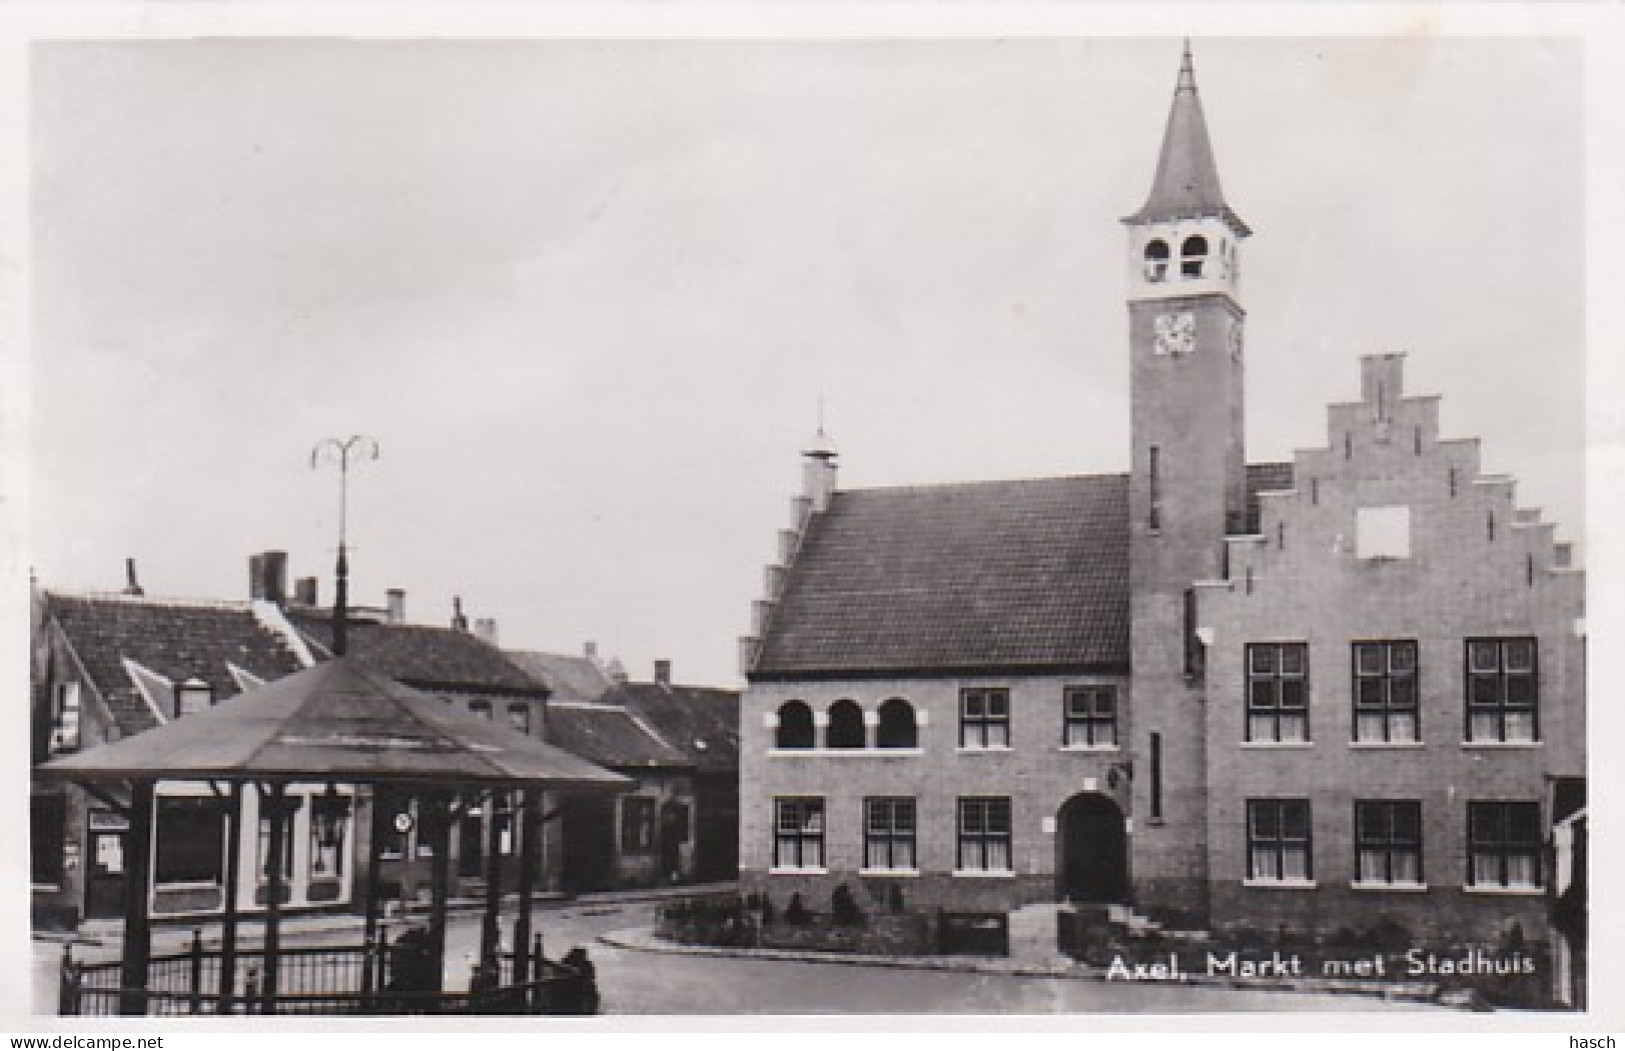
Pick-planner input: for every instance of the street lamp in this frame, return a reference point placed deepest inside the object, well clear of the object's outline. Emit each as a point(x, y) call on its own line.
point(341, 453)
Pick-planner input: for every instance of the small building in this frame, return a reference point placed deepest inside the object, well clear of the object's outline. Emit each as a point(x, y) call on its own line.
point(110, 666)
point(679, 743)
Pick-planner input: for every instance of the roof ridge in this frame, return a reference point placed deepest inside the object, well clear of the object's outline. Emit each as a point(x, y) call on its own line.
point(166, 601)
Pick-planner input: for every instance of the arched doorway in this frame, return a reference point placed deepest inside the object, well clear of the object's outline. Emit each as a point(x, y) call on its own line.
point(1091, 845)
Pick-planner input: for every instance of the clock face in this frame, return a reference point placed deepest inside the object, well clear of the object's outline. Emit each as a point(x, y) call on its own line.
point(1175, 333)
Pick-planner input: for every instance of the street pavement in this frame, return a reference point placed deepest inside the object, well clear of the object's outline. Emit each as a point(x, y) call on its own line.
point(637, 982)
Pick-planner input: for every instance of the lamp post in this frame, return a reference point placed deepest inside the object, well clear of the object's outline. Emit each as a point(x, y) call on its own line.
point(342, 453)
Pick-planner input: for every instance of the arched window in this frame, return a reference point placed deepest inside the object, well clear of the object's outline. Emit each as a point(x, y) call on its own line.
point(1192, 254)
point(1156, 260)
point(795, 726)
point(845, 726)
point(897, 728)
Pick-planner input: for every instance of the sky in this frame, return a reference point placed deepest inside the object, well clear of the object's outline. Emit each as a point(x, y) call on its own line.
point(588, 296)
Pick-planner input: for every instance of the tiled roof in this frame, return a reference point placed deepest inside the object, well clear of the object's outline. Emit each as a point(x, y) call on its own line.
point(176, 639)
point(611, 736)
point(981, 575)
point(423, 655)
point(978, 575)
point(569, 678)
point(701, 721)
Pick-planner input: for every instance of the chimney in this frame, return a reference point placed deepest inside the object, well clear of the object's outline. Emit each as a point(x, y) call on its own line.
point(397, 606)
point(663, 673)
point(132, 586)
point(616, 671)
point(819, 472)
point(486, 629)
point(591, 651)
point(268, 577)
point(304, 591)
point(459, 622)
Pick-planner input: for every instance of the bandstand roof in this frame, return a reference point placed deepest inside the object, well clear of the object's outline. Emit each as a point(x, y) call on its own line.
point(337, 721)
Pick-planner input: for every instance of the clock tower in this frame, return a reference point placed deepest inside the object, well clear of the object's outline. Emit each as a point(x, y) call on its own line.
point(1187, 486)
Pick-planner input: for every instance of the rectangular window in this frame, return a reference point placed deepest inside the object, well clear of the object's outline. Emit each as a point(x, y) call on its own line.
point(1503, 845)
point(798, 833)
point(888, 833)
point(1388, 842)
point(1503, 690)
point(264, 848)
point(519, 717)
point(47, 816)
point(984, 834)
point(480, 708)
point(1156, 777)
point(1153, 475)
point(191, 840)
point(1090, 717)
point(1278, 846)
point(330, 819)
point(984, 719)
point(637, 825)
point(192, 696)
point(1278, 691)
point(65, 731)
point(1385, 691)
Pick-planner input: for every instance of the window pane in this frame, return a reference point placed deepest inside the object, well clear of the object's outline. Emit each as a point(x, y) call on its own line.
point(1261, 694)
point(1402, 656)
point(1402, 692)
point(1519, 655)
point(1369, 692)
point(1292, 660)
point(1523, 870)
point(1294, 820)
point(1295, 862)
point(1373, 865)
point(1292, 693)
point(1483, 657)
point(1264, 863)
point(1402, 726)
point(1520, 689)
point(1368, 659)
point(1484, 726)
point(1368, 727)
point(1263, 659)
point(973, 705)
point(1294, 727)
point(1484, 690)
point(1520, 726)
point(997, 704)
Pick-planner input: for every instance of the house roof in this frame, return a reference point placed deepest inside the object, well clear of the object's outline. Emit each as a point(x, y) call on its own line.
point(569, 678)
point(423, 655)
point(337, 720)
point(701, 721)
point(176, 639)
point(1009, 575)
point(610, 735)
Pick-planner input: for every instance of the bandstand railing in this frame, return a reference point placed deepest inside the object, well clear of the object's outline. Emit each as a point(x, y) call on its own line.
point(323, 980)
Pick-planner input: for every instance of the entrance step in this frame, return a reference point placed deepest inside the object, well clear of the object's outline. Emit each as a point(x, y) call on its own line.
point(1033, 936)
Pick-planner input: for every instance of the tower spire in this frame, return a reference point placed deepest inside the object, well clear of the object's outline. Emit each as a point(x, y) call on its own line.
point(1186, 185)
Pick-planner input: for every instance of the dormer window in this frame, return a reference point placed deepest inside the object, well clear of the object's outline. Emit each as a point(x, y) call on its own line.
point(1156, 261)
point(193, 695)
point(1192, 256)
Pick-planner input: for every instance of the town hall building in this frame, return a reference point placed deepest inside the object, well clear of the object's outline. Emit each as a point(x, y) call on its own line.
point(1318, 694)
